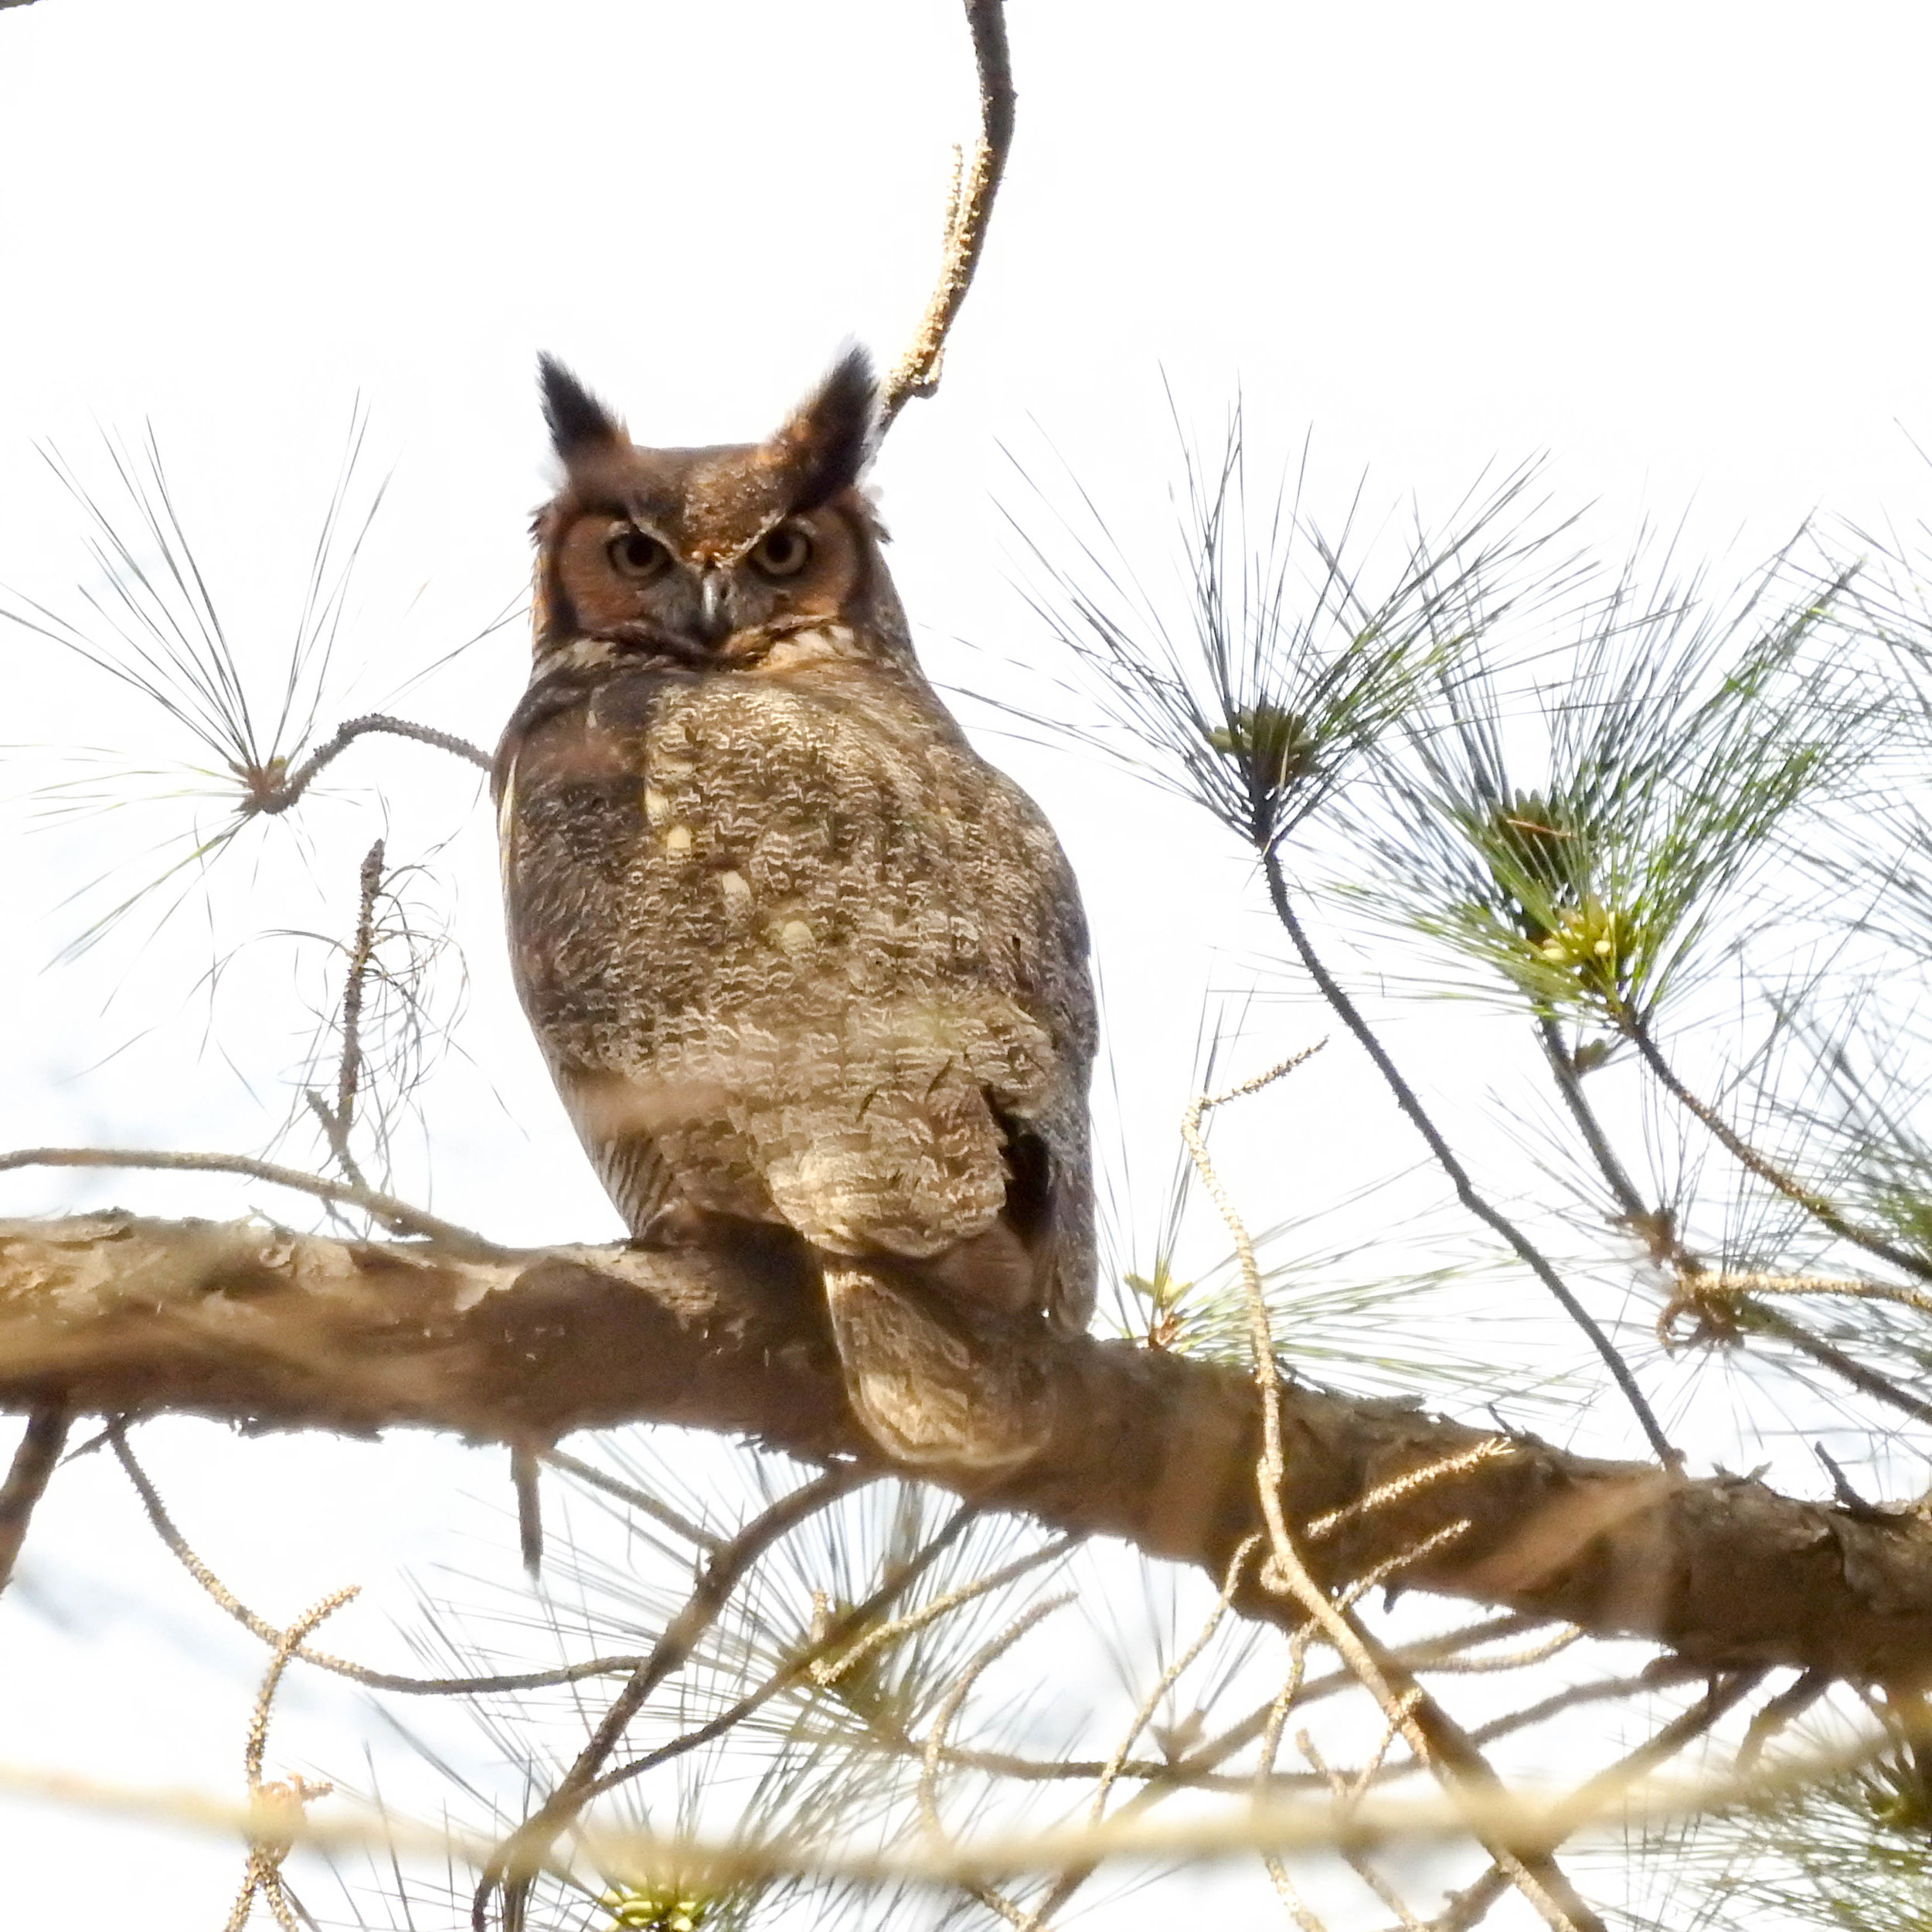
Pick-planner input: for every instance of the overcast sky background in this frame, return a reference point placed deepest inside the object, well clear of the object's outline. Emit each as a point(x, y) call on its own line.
point(1680, 249)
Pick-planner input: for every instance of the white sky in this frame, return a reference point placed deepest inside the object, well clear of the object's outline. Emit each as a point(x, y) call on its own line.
point(1682, 248)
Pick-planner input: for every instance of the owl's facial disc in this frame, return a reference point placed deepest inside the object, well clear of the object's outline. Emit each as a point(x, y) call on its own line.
point(656, 577)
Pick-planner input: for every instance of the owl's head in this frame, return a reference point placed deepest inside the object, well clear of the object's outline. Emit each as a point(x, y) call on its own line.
point(708, 555)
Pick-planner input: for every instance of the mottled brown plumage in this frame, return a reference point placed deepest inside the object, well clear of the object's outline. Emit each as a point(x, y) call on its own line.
point(806, 970)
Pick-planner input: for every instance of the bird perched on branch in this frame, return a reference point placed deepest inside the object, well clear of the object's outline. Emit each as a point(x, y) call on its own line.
point(810, 976)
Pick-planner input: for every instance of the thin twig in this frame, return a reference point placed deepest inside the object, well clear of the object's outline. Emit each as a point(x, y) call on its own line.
point(277, 1809)
point(1195, 1770)
point(1492, 1217)
point(839, 1630)
point(1438, 1741)
point(333, 1133)
point(1558, 1640)
point(398, 1216)
point(35, 1457)
point(1594, 1690)
point(1880, 1388)
point(1698, 1288)
point(1347, 1794)
point(1845, 1495)
point(1291, 1900)
point(969, 210)
point(638, 1498)
point(723, 1571)
point(337, 1120)
point(1736, 1311)
point(1397, 1488)
point(1747, 1157)
point(1562, 1066)
point(369, 884)
point(1470, 1906)
point(1275, 1713)
point(270, 800)
point(1757, 1281)
point(1789, 1705)
point(524, 1465)
point(828, 1671)
point(996, 1901)
point(184, 1553)
point(1172, 1675)
point(988, 1654)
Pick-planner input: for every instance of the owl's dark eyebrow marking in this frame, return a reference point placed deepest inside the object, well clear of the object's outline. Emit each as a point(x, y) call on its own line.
point(652, 514)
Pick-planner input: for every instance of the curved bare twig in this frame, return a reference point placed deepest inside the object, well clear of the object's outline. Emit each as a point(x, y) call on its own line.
point(397, 1216)
point(969, 210)
point(270, 795)
point(183, 1552)
point(1440, 1744)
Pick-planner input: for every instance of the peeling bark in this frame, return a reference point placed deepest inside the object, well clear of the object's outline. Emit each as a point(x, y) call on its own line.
point(245, 1323)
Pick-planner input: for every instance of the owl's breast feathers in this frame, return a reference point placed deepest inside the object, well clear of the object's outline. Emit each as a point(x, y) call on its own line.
point(796, 953)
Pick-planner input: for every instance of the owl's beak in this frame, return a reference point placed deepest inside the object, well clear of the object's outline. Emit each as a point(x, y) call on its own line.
point(714, 595)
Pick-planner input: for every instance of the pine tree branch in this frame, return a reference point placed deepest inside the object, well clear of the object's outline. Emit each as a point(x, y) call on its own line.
point(1828, 1215)
point(1562, 1069)
point(112, 1314)
point(1445, 1157)
point(527, 1848)
point(1734, 1293)
point(1751, 1314)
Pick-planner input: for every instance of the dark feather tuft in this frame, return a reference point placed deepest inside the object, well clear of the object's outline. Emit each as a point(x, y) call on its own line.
point(827, 442)
point(578, 421)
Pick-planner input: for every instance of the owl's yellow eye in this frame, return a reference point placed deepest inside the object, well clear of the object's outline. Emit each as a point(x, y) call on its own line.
point(782, 553)
point(638, 557)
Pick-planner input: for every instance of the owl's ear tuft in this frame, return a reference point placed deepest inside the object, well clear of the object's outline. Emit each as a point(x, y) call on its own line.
point(579, 422)
point(826, 443)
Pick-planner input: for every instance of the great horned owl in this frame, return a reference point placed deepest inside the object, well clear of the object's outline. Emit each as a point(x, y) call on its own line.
point(806, 970)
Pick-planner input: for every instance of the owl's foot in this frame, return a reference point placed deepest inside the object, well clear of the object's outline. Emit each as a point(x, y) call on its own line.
point(933, 1383)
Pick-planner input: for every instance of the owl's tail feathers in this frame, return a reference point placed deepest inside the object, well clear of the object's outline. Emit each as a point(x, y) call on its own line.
point(935, 1381)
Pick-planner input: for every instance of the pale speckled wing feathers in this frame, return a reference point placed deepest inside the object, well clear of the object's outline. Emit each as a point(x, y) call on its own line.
point(807, 948)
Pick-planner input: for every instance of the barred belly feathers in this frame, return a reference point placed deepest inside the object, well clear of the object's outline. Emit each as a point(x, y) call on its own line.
point(809, 975)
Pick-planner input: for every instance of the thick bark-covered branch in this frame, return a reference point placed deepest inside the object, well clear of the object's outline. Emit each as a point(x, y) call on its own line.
point(107, 1313)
